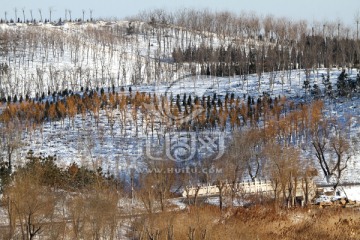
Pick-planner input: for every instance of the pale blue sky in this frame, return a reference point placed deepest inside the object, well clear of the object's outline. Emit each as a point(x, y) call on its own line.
point(310, 10)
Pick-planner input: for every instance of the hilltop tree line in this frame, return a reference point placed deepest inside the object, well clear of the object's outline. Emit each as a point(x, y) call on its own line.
point(294, 44)
point(25, 18)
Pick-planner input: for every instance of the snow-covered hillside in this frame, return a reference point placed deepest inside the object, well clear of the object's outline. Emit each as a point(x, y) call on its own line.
point(46, 58)
point(117, 147)
point(50, 58)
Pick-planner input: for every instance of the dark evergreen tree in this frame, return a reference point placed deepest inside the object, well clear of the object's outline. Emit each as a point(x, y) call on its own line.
point(342, 84)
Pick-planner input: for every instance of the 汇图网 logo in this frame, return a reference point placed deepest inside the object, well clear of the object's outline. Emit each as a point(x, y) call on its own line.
point(186, 146)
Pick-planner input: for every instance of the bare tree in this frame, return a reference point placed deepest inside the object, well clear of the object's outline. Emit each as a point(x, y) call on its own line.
point(94, 213)
point(30, 206)
point(23, 12)
point(91, 14)
point(15, 11)
point(11, 140)
point(156, 183)
point(41, 18)
point(357, 19)
point(284, 170)
point(50, 13)
point(332, 150)
point(31, 15)
point(83, 15)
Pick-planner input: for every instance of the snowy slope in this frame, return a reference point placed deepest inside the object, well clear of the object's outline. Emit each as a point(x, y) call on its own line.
point(53, 58)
